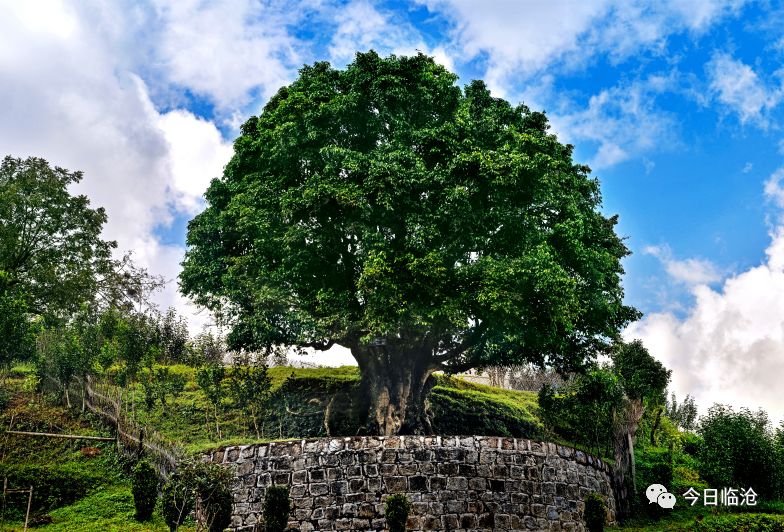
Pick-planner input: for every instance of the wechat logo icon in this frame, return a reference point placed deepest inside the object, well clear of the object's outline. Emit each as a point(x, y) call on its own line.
point(656, 493)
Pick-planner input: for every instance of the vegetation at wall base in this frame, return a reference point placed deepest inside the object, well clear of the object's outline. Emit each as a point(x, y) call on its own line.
point(396, 512)
point(277, 507)
point(595, 514)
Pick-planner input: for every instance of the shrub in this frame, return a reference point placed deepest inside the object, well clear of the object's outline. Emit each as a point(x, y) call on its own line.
point(53, 485)
point(177, 500)
point(144, 489)
point(396, 512)
point(208, 485)
point(595, 512)
point(738, 450)
point(276, 508)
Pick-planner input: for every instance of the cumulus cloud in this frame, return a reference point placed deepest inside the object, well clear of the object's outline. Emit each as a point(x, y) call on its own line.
point(729, 348)
point(523, 38)
point(361, 26)
point(623, 121)
point(67, 99)
point(225, 50)
point(740, 89)
point(690, 272)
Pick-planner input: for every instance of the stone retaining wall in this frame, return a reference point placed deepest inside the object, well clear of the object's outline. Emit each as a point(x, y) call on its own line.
point(454, 483)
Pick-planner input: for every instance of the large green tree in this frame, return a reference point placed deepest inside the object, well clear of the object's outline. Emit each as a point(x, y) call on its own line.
point(50, 245)
point(422, 226)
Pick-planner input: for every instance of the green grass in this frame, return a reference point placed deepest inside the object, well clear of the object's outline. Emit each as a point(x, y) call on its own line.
point(77, 492)
point(300, 397)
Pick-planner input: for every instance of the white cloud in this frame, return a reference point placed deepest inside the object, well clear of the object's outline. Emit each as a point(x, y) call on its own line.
point(622, 120)
point(197, 153)
point(523, 38)
point(738, 86)
point(691, 272)
point(729, 348)
point(773, 189)
point(748, 167)
point(227, 49)
point(361, 26)
point(68, 99)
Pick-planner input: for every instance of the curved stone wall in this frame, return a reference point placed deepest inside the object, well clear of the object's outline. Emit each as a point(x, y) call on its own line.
point(453, 482)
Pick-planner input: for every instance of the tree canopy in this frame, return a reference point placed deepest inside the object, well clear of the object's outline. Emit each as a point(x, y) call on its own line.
point(50, 245)
point(382, 208)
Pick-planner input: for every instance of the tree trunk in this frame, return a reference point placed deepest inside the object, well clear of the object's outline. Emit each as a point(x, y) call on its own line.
point(624, 428)
point(656, 426)
point(396, 384)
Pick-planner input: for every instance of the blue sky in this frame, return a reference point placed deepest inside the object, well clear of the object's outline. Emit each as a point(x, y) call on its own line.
point(676, 106)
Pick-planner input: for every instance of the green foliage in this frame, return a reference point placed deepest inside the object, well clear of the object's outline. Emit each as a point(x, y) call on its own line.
point(583, 413)
point(742, 522)
point(177, 500)
point(209, 485)
point(483, 411)
point(144, 489)
point(642, 377)
point(396, 511)
point(250, 391)
point(595, 512)
point(684, 414)
point(382, 201)
point(50, 242)
point(54, 485)
point(276, 508)
point(738, 450)
point(160, 383)
point(17, 331)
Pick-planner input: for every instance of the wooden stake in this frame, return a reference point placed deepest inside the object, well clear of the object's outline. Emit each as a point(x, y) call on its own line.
point(29, 503)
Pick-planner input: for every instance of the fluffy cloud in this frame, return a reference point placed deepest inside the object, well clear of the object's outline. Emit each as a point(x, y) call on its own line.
point(737, 86)
point(522, 38)
point(361, 26)
point(226, 50)
point(690, 272)
point(613, 118)
point(729, 348)
point(67, 99)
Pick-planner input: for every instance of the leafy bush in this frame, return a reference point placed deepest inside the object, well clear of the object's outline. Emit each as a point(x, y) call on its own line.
point(208, 484)
point(738, 450)
point(595, 512)
point(584, 412)
point(53, 486)
point(276, 508)
point(144, 489)
point(177, 500)
point(396, 512)
point(215, 498)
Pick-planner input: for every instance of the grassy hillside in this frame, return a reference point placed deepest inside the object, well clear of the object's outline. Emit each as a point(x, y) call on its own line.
point(78, 485)
point(300, 397)
point(84, 491)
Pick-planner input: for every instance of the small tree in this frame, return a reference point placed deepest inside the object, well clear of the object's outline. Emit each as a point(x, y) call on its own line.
point(684, 414)
point(210, 379)
point(209, 486)
point(396, 511)
point(276, 508)
point(178, 499)
point(145, 490)
point(644, 380)
point(250, 389)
